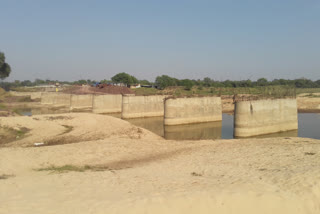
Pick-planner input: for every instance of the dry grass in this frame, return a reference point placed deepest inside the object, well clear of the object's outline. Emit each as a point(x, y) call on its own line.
point(8, 135)
point(60, 140)
point(72, 168)
point(5, 176)
point(118, 165)
point(68, 129)
point(311, 95)
point(307, 90)
point(309, 153)
point(178, 91)
point(197, 174)
point(3, 106)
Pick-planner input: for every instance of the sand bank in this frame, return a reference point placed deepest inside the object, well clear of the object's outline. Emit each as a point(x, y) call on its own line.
point(139, 172)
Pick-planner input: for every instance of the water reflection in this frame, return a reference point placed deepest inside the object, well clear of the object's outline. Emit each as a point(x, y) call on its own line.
point(153, 124)
point(309, 124)
point(227, 126)
point(199, 131)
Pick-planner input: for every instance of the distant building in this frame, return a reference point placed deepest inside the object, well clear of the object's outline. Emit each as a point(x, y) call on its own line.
point(135, 86)
point(45, 86)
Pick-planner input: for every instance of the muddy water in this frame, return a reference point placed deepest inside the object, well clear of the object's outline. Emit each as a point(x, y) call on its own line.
point(183, 132)
point(309, 126)
point(154, 124)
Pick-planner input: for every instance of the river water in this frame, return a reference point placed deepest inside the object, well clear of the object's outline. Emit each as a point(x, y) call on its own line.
point(309, 126)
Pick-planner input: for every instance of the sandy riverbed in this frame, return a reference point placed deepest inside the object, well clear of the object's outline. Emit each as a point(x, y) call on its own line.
point(139, 172)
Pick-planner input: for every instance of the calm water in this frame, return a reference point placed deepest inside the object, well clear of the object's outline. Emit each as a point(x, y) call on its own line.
point(309, 126)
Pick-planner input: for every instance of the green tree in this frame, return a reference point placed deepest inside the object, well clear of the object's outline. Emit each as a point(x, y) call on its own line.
point(304, 83)
point(227, 83)
point(245, 83)
point(145, 82)
point(164, 81)
point(81, 82)
point(105, 81)
point(4, 67)
point(26, 83)
point(262, 82)
point(207, 82)
point(39, 82)
point(187, 84)
point(124, 78)
point(134, 80)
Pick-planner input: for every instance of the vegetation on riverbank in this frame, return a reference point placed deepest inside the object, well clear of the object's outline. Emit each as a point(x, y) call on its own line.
point(273, 91)
point(165, 81)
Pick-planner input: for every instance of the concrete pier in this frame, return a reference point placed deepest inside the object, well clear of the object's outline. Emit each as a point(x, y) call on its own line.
point(83, 101)
point(142, 106)
point(180, 111)
point(55, 99)
point(32, 95)
point(107, 103)
point(260, 117)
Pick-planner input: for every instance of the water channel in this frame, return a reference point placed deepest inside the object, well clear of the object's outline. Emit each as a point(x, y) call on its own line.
point(309, 126)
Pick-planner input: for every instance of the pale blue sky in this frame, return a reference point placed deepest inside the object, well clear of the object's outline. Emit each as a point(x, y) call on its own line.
point(249, 39)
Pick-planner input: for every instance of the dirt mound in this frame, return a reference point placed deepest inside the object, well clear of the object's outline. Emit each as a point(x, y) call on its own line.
point(73, 128)
point(110, 89)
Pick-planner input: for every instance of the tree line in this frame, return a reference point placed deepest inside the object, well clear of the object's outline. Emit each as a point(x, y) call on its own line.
point(166, 81)
point(161, 82)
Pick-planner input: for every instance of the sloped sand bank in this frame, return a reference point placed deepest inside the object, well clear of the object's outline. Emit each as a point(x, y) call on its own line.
point(115, 167)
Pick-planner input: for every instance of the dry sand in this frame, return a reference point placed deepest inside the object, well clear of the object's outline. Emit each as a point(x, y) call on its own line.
point(147, 174)
point(309, 104)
